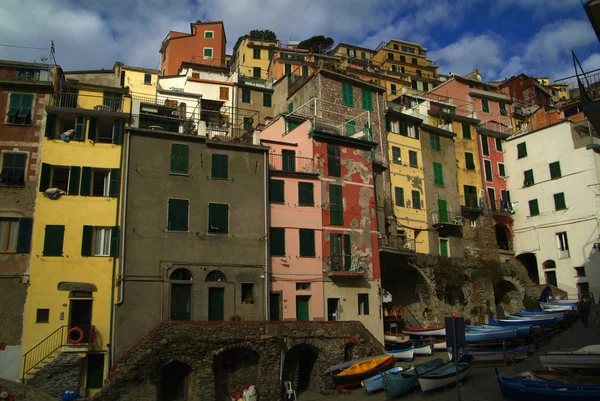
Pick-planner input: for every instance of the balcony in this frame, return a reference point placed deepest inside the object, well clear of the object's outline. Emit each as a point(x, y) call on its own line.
point(113, 103)
point(506, 246)
point(255, 81)
point(501, 207)
point(472, 203)
point(493, 127)
point(447, 218)
point(339, 271)
point(24, 73)
point(397, 243)
point(291, 164)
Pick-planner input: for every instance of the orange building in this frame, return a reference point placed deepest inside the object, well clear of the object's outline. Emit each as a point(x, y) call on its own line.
point(205, 45)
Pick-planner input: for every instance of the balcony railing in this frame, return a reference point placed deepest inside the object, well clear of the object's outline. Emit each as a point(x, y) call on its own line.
point(291, 164)
point(162, 123)
point(24, 73)
point(339, 267)
point(499, 206)
point(447, 218)
point(255, 81)
point(473, 202)
point(497, 127)
point(398, 243)
point(89, 102)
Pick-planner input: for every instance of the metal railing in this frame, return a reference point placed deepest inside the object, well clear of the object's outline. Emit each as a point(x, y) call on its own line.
point(163, 123)
point(473, 202)
point(44, 349)
point(501, 206)
point(89, 102)
point(24, 73)
point(495, 126)
point(398, 242)
point(291, 163)
point(447, 217)
point(584, 84)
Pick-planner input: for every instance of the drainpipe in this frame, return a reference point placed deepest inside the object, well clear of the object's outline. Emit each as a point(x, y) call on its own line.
point(266, 202)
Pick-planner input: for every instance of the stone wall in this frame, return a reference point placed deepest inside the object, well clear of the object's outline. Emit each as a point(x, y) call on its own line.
point(62, 374)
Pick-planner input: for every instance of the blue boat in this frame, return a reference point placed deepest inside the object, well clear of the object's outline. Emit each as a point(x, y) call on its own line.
point(473, 336)
point(522, 331)
point(401, 352)
point(375, 383)
point(496, 354)
point(444, 376)
point(507, 322)
point(559, 316)
point(401, 383)
point(523, 389)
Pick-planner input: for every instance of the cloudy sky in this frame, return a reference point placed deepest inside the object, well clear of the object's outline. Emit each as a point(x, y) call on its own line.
point(501, 38)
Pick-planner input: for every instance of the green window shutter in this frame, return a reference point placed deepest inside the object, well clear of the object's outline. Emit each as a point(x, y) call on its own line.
point(256, 72)
point(388, 125)
point(412, 158)
point(288, 160)
point(399, 193)
point(277, 241)
point(499, 145)
point(368, 131)
point(50, 126)
point(74, 176)
point(434, 142)
point(276, 191)
point(218, 218)
point(86, 181)
point(334, 168)
point(267, 100)
point(114, 241)
point(522, 150)
point(305, 71)
point(115, 178)
point(438, 174)
point(179, 158)
point(288, 68)
point(559, 201)
point(466, 131)
point(336, 204)
point(306, 194)
point(92, 129)
point(45, 175)
point(117, 131)
point(555, 170)
point(485, 105)
point(501, 170)
point(444, 248)
point(347, 252)
point(528, 178)
point(87, 241)
point(367, 100)
point(13, 108)
point(24, 236)
point(291, 107)
point(470, 162)
point(350, 127)
point(220, 165)
point(416, 200)
point(53, 240)
point(396, 157)
point(335, 251)
point(307, 242)
point(404, 128)
point(488, 170)
point(178, 215)
point(347, 95)
point(245, 95)
point(443, 210)
point(485, 145)
point(533, 208)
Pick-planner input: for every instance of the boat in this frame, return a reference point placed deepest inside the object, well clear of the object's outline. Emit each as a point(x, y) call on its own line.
point(443, 376)
point(496, 354)
point(400, 338)
point(564, 301)
point(473, 336)
point(560, 376)
point(522, 331)
point(508, 322)
point(560, 316)
point(424, 331)
point(335, 369)
point(526, 389)
point(397, 384)
point(439, 344)
point(550, 305)
point(352, 376)
point(375, 383)
point(405, 354)
point(586, 357)
point(423, 349)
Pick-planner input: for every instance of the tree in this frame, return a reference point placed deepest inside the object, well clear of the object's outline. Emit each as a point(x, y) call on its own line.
point(317, 44)
point(263, 34)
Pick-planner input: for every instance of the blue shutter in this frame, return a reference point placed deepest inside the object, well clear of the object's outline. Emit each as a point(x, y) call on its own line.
point(24, 236)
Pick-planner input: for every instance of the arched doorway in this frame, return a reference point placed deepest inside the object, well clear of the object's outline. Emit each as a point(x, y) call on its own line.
point(175, 382)
point(503, 237)
point(216, 295)
point(181, 294)
point(529, 261)
point(454, 295)
point(233, 369)
point(504, 293)
point(550, 272)
point(299, 367)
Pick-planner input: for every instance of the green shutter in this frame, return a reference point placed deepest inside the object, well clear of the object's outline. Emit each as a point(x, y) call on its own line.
point(80, 129)
point(412, 158)
point(416, 200)
point(533, 208)
point(178, 213)
point(434, 142)
point(470, 162)
point(399, 195)
point(218, 218)
point(347, 252)
point(45, 176)
point(501, 170)
point(53, 240)
point(220, 166)
point(368, 132)
point(499, 146)
point(115, 178)
point(404, 128)
point(24, 236)
point(485, 105)
point(74, 180)
point(86, 181)
point(367, 100)
point(288, 160)
point(87, 241)
point(388, 125)
point(528, 178)
point(50, 126)
point(444, 248)
point(267, 102)
point(291, 107)
point(488, 170)
point(335, 251)
point(396, 158)
point(117, 131)
point(305, 71)
point(347, 95)
point(336, 204)
point(443, 210)
point(245, 95)
point(179, 158)
point(466, 131)
point(306, 194)
point(555, 170)
point(277, 242)
point(485, 145)
point(522, 150)
point(438, 174)
point(307, 242)
point(276, 191)
point(334, 168)
point(114, 241)
point(559, 201)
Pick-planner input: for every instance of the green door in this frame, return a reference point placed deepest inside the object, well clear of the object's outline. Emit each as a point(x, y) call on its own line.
point(302, 312)
point(216, 297)
point(181, 301)
point(443, 209)
point(274, 300)
point(95, 371)
point(444, 247)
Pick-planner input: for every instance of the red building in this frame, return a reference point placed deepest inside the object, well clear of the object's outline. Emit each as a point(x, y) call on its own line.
point(526, 89)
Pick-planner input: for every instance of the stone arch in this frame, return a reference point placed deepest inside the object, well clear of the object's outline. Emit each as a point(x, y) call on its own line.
point(175, 382)
point(529, 261)
point(234, 367)
point(508, 296)
point(216, 275)
point(300, 367)
point(503, 236)
point(454, 295)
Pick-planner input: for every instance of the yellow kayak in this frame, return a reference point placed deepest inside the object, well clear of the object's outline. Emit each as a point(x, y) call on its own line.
point(366, 366)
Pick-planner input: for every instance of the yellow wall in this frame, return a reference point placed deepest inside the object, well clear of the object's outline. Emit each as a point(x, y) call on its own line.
point(135, 81)
point(246, 61)
point(462, 145)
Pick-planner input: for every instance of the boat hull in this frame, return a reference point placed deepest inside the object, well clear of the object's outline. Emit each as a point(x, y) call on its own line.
point(396, 339)
point(428, 332)
point(440, 346)
point(490, 335)
point(424, 349)
point(508, 322)
point(347, 381)
point(524, 389)
point(487, 355)
point(375, 383)
point(404, 354)
point(570, 360)
point(444, 376)
point(400, 383)
point(345, 365)
point(550, 305)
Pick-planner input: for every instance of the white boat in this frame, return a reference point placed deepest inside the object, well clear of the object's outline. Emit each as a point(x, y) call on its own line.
point(425, 332)
point(400, 338)
point(423, 349)
point(440, 346)
point(443, 376)
point(561, 307)
point(586, 357)
point(403, 354)
point(560, 316)
point(564, 301)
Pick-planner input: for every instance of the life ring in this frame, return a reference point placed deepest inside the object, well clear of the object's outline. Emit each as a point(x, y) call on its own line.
point(92, 334)
point(78, 335)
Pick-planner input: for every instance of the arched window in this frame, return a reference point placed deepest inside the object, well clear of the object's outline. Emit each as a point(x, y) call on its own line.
point(216, 275)
point(181, 294)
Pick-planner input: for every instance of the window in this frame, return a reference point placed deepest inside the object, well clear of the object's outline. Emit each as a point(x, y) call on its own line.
point(503, 109)
point(416, 200)
point(42, 316)
point(499, 145)
point(256, 54)
point(147, 79)
point(302, 286)
point(390, 56)
point(164, 57)
point(363, 55)
point(534, 209)
point(19, 109)
point(522, 150)
point(245, 95)
point(209, 34)
point(403, 59)
point(256, 72)
point(501, 170)
point(559, 201)
point(347, 95)
point(60, 178)
point(218, 218)
point(425, 86)
point(414, 61)
point(393, 126)
point(180, 159)
point(13, 168)
point(277, 241)
point(528, 178)
point(208, 52)
point(307, 243)
point(288, 160)
point(492, 197)
point(580, 271)
point(414, 84)
point(336, 208)
point(438, 174)
point(434, 142)
point(223, 93)
point(412, 158)
point(276, 191)
point(247, 124)
point(393, 89)
point(466, 131)
point(485, 105)
point(563, 245)
point(9, 234)
point(363, 304)
point(305, 71)
point(367, 100)
point(178, 214)
point(112, 100)
point(555, 170)
point(102, 241)
point(267, 100)
point(100, 182)
point(220, 166)
point(485, 145)
point(444, 248)
point(306, 194)
point(396, 158)
point(418, 73)
point(334, 168)
point(399, 194)
point(469, 161)
point(403, 128)
point(53, 240)
point(247, 293)
point(288, 68)
point(350, 127)
point(488, 170)
point(351, 52)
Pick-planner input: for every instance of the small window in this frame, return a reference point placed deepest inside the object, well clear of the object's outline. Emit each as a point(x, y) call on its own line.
point(42, 316)
point(306, 194)
point(19, 109)
point(563, 245)
point(277, 241)
point(287, 68)
point(499, 145)
point(256, 72)
point(220, 166)
point(466, 131)
point(418, 73)
point(393, 89)
point(485, 105)
point(147, 79)
point(528, 178)
point(399, 195)
point(102, 241)
point(347, 95)
point(209, 34)
point(180, 158)
point(416, 200)
point(53, 240)
point(164, 57)
point(276, 191)
point(302, 286)
point(485, 145)
point(100, 182)
point(425, 86)
point(469, 161)
point(245, 95)
point(414, 84)
point(223, 93)
point(307, 243)
point(444, 248)
point(218, 218)
point(503, 109)
point(390, 56)
point(60, 178)
point(9, 234)
point(103, 131)
point(412, 158)
point(13, 168)
point(247, 293)
point(403, 59)
point(534, 209)
point(367, 100)
point(333, 160)
point(580, 271)
point(522, 150)
point(267, 100)
point(256, 54)
point(414, 61)
point(501, 170)
point(208, 52)
point(488, 170)
point(559, 201)
point(396, 158)
point(438, 174)
point(178, 214)
point(555, 170)
point(305, 71)
point(435, 143)
point(363, 304)
point(291, 107)
point(336, 207)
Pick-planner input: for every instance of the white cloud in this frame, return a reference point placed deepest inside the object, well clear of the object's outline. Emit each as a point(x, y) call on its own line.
point(559, 38)
point(514, 67)
point(469, 52)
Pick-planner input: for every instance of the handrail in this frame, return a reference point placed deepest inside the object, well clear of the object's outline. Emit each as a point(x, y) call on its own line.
point(43, 349)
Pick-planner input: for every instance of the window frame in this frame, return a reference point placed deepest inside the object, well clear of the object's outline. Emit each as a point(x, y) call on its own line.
point(303, 235)
point(415, 154)
point(554, 168)
point(347, 94)
point(501, 170)
point(13, 111)
point(469, 161)
point(499, 142)
point(5, 245)
point(244, 297)
point(211, 53)
point(16, 155)
point(339, 208)
point(438, 174)
point(534, 207)
point(396, 155)
point(416, 194)
point(219, 166)
point(559, 200)
point(212, 34)
point(268, 103)
point(213, 231)
point(528, 178)
point(363, 304)
point(467, 131)
point(435, 142)
point(43, 317)
point(256, 54)
point(246, 95)
point(303, 201)
point(106, 241)
point(485, 105)
point(149, 80)
point(280, 252)
point(399, 200)
point(485, 145)
point(177, 160)
point(521, 150)
point(169, 228)
point(48, 240)
point(488, 172)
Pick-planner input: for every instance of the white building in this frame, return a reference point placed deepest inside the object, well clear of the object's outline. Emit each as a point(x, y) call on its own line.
point(554, 185)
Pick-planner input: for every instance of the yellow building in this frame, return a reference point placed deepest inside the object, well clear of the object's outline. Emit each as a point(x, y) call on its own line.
point(252, 56)
point(75, 240)
point(140, 81)
point(559, 91)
